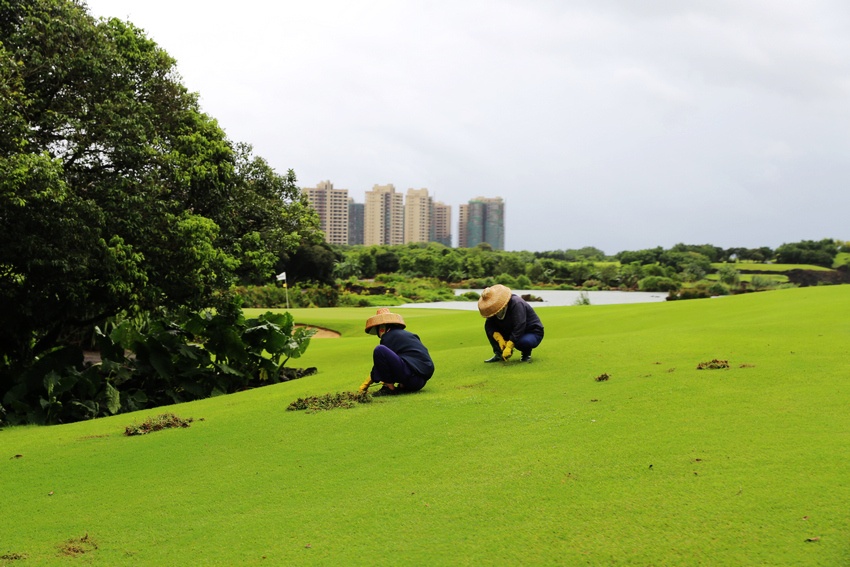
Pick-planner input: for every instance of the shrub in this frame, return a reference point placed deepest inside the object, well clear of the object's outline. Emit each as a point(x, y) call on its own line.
point(718, 288)
point(168, 359)
point(506, 280)
point(348, 299)
point(761, 282)
point(583, 299)
point(658, 283)
point(729, 275)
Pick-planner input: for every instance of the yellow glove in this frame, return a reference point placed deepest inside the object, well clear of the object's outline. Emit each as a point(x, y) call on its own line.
point(508, 351)
point(365, 385)
point(497, 336)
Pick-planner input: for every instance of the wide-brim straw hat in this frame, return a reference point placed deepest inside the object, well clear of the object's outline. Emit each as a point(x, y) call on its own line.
point(493, 299)
point(383, 317)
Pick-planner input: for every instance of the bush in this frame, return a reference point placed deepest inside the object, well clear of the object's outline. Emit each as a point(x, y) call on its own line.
point(506, 280)
point(419, 290)
point(348, 299)
point(168, 359)
point(266, 296)
point(717, 288)
point(271, 296)
point(658, 283)
point(481, 283)
point(761, 282)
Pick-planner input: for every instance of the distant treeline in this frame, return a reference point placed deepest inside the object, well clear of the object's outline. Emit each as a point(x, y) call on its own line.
point(324, 263)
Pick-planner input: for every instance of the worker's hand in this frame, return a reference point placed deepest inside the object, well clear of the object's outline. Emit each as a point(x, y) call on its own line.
point(508, 351)
point(365, 385)
point(497, 336)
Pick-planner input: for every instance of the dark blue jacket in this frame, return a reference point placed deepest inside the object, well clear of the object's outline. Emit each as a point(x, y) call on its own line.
point(519, 320)
point(410, 349)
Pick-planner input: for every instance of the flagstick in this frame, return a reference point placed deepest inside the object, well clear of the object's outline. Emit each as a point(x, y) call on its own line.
point(282, 277)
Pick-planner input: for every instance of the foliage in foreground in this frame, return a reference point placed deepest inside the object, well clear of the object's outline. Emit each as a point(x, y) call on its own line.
point(166, 361)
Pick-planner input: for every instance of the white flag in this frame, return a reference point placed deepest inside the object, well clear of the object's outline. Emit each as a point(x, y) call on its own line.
point(281, 276)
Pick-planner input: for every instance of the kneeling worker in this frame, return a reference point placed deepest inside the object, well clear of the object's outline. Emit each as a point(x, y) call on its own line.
point(401, 362)
point(511, 323)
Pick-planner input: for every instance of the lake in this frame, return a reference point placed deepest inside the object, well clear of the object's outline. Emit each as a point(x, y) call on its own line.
point(554, 298)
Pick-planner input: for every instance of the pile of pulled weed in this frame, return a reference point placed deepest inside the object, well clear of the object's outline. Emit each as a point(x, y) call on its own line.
point(162, 421)
point(343, 400)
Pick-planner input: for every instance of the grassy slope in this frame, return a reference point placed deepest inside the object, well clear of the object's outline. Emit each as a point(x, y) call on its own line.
point(771, 267)
point(490, 464)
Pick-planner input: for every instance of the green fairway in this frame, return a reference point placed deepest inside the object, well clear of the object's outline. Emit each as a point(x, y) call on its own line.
point(490, 464)
point(762, 267)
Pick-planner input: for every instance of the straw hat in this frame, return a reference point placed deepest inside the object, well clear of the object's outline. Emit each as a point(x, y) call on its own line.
point(493, 299)
point(383, 317)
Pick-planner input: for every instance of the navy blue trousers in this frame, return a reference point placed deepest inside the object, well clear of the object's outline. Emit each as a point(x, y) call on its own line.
point(387, 366)
point(525, 344)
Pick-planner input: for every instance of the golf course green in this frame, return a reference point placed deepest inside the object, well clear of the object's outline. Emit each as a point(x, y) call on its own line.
point(661, 463)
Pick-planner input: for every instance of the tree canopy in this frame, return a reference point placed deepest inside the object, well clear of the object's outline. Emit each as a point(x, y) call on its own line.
point(117, 193)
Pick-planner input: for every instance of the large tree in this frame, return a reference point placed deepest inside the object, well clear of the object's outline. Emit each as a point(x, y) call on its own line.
point(117, 193)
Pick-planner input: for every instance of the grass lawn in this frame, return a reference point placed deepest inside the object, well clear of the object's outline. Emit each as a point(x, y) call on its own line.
point(770, 267)
point(490, 464)
point(778, 278)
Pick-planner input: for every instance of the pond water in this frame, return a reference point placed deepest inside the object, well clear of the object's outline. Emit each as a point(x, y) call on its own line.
point(554, 298)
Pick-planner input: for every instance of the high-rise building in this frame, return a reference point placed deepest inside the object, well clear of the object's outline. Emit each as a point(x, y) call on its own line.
point(462, 217)
point(441, 223)
point(485, 222)
point(355, 222)
point(332, 206)
point(417, 216)
point(383, 216)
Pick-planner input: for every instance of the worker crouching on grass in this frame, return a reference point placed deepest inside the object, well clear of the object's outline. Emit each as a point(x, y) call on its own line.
point(511, 323)
point(401, 363)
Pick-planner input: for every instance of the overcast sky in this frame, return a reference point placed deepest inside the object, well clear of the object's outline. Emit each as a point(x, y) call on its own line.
point(618, 124)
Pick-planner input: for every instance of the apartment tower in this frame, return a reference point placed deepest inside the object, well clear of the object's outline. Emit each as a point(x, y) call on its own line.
point(417, 216)
point(462, 217)
point(383, 216)
point(485, 222)
point(332, 206)
point(356, 215)
point(441, 224)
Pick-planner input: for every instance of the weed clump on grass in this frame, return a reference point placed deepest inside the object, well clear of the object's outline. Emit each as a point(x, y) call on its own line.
point(343, 400)
point(713, 364)
point(602, 377)
point(162, 421)
point(78, 546)
point(13, 557)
